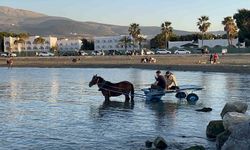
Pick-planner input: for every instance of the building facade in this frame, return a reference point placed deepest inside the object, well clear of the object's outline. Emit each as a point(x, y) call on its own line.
point(120, 42)
point(13, 44)
point(220, 42)
point(208, 43)
point(69, 45)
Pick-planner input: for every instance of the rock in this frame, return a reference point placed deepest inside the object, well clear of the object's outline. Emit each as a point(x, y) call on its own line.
point(214, 128)
point(222, 138)
point(148, 144)
point(160, 143)
point(234, 107)
point(232, 118)
point(197, 147)
point(204, 109)
point(239, 138)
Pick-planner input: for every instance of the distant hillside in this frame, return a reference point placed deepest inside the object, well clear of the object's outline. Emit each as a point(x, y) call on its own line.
point(18, 20)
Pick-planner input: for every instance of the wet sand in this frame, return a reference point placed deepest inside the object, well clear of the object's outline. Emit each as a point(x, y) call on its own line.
point(235, 63)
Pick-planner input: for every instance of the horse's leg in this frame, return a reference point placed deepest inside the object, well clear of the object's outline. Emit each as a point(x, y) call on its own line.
point(126, 97)
point(107, 98)
point(132, 93)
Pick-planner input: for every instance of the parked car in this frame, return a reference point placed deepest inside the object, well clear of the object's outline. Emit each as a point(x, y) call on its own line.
point(114, 52)
point(45, 54)
point(82, 53)
point(163, 51)
point(12, 54)
point(182, 51)
point(149, 52)
point(97, 53)
point(3, 54)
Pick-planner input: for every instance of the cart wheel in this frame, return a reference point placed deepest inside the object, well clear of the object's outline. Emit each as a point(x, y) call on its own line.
point(180, 95)
point(192, 97)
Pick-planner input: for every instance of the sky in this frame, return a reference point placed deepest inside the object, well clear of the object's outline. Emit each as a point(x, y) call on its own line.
point(182, 13)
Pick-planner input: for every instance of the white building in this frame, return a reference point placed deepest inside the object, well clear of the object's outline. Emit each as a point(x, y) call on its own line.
point(69, 45)
point(177, 44)
point(209, 43)
point(12, 44)
point(113, 43)
point(220, 42)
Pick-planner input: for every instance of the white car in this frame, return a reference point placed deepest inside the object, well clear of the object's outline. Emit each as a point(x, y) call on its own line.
point(182, 51)
point(12, 54)
point(46, 54)
point(148, 52)
point(97, 53)
point(82, 53)
point(3, 54)
point(163, 51)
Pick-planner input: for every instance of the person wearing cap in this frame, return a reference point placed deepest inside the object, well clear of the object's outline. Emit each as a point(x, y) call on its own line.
point(171, 83)
point(160, 81)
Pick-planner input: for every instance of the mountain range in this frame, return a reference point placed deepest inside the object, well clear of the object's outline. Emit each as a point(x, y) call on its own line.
point(18, 20)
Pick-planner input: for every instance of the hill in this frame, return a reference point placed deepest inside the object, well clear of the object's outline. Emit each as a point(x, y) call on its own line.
point(18, 20)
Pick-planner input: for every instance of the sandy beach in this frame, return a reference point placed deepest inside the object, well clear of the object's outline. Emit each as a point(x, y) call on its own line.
point(235, 63)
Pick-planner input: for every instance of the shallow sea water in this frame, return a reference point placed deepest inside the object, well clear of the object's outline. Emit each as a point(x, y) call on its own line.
point(45, 108)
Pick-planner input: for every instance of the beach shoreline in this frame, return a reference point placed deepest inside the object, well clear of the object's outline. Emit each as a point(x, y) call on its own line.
point(228, 63)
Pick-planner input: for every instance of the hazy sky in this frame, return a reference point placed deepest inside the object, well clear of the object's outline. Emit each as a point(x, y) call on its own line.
point(182, 13)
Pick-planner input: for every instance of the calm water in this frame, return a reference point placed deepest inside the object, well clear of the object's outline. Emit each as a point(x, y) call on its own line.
point(55, 109)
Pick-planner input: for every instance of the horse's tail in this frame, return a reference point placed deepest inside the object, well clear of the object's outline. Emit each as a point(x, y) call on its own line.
point(132, 92)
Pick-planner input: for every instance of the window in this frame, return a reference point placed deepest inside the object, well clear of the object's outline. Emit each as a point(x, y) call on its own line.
point(7, 43)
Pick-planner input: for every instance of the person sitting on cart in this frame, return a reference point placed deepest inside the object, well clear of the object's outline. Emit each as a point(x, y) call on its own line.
point(160, 83)
point(171, 83)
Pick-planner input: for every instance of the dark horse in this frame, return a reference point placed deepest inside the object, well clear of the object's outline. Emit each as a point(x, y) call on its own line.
point(9, 62)
point(113, 89)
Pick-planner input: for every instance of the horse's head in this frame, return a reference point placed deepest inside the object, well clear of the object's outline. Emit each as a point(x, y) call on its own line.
point(95, 80)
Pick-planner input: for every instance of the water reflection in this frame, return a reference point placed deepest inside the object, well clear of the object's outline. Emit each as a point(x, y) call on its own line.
point(37, 103)
point(163, 110)
point(117, 105)
point(54, 87)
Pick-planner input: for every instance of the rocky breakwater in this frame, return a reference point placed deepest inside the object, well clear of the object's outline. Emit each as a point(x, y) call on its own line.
point(233, 131)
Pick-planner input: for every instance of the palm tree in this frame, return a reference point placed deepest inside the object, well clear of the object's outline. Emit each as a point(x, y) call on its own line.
point(203, 25)
point(141, 38)
point(125, 41)
point(231, 29)
point(166, 31)
point(39, 40)
point(134, 30)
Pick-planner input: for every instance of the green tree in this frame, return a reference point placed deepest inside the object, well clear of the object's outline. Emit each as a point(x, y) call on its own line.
point(203, 25)
point(158, 41)
point(243, 23)
point(134, 30)
point(166, 31)
point(231, 29)
point(87, 45)
point(125, 42)
point(140, 39)
point(39, 40)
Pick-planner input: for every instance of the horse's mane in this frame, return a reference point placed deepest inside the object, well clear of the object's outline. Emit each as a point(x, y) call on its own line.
point(100, 79)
